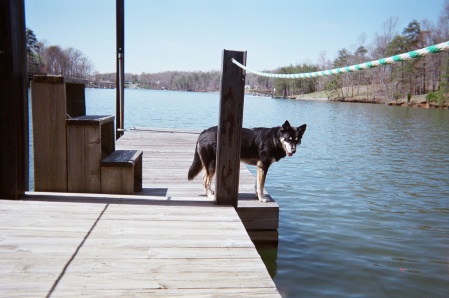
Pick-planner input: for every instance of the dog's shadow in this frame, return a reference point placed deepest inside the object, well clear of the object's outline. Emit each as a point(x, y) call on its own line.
point(154, 192)
point(246, 196)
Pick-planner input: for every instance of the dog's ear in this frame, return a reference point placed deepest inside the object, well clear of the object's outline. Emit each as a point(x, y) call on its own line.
point(286, 125)
point(302, 129)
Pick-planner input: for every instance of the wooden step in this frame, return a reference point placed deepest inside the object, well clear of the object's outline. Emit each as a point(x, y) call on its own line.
point(121, 172)
point(89, 140)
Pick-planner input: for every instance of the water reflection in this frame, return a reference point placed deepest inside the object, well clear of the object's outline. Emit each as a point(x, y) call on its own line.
point(268, 251)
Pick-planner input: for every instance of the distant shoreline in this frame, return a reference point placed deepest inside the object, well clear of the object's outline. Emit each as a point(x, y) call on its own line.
point(418, 102)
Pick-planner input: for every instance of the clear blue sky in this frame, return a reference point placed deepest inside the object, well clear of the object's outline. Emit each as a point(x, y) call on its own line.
point(190, 35)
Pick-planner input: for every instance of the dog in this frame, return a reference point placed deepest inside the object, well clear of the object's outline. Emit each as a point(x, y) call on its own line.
point(259, 147)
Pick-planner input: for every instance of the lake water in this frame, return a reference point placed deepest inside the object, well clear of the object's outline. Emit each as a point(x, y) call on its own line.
point(364, 202)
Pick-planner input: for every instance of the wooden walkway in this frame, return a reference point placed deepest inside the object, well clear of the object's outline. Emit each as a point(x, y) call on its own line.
point(167, 157)
point(170, 240)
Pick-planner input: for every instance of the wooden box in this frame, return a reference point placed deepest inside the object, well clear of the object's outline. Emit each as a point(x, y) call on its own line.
point(89, 140)
point(53, 98)
point(121, 172)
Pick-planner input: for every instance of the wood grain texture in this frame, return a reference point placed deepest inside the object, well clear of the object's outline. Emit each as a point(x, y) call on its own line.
point(122, 158)
point(55, 248)
point(86, 146)
point(170, 240)
point(13, 100)
point(49, 136)
point(53, 100)
point(167, 156)
point(232, 90)
point(117, 180)
point(84, 156)
point(121, 172)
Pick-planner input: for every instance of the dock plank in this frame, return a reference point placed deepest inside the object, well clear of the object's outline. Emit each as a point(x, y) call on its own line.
point(167, 157)
point(108, 249)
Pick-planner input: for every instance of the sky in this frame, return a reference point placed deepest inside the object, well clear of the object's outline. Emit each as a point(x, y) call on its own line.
point(190, 35)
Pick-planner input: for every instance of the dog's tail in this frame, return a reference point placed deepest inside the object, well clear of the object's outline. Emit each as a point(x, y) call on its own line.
point(196, 166)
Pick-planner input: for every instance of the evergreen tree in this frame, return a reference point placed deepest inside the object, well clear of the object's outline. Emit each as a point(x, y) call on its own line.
point(442, 96)
point(32, 48)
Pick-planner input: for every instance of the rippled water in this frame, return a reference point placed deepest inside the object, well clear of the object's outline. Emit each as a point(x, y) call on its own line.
point(365, 208)
point(364, 202)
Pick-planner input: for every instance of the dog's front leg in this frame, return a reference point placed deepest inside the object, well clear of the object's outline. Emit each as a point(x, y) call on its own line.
point(260, 182)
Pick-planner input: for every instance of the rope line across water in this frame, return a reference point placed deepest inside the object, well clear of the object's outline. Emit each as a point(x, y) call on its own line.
point(441, 47)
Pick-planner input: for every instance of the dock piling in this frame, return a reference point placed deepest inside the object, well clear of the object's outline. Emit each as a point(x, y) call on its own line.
point(120, 74)
point(232, 91)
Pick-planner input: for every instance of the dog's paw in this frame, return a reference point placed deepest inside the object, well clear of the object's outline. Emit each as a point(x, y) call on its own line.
point(210, 194)
point(263, 199)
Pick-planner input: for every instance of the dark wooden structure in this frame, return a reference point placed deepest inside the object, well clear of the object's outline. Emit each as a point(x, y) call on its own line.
point(13, 101)
point(54, 99)
point(120, 74)
point(232, 91)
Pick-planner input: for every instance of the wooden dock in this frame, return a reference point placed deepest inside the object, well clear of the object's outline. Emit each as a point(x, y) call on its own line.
point(167, 157)
point(169, 240)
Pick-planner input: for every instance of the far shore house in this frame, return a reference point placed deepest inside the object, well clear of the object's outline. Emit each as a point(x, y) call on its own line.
point(105, 84)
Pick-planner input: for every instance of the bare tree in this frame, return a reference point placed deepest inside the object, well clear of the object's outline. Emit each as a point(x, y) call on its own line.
point(323, 64)
point(54, 60)
point(443, 23)
point(72, 64)
point(383, 39)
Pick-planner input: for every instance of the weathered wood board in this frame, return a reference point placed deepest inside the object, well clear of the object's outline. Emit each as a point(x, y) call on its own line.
point(167, 157)
point(121, 172)
point(53, 98)
point(170, 240)
point(107, 248)
point(50, 158)
point(89, 139)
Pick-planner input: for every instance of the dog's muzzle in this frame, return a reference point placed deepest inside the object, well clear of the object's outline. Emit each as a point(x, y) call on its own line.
point(289, 148)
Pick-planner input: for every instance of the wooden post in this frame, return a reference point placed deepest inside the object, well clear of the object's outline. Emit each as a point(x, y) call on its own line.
point(232, 91)
point(120, 74)
point(13, 101)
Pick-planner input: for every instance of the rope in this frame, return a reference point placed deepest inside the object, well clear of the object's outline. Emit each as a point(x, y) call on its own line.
point(441, 47)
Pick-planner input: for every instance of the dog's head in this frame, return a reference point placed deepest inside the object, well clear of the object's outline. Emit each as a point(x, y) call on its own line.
point(290, 137)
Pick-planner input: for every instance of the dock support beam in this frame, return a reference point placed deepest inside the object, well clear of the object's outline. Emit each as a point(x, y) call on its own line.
point(120, 74)
point(13, 101)
point(232, 91)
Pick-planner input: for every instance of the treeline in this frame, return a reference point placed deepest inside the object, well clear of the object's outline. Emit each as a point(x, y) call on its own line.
point(168, 80)
point(427, 75)
point(399, 80)
point(53, 59)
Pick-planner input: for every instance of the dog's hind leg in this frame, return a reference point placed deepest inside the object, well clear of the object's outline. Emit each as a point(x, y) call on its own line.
point(207, 179)
point(207, 185)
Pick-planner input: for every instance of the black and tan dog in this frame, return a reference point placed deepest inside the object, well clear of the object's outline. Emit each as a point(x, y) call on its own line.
point(259, 147)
